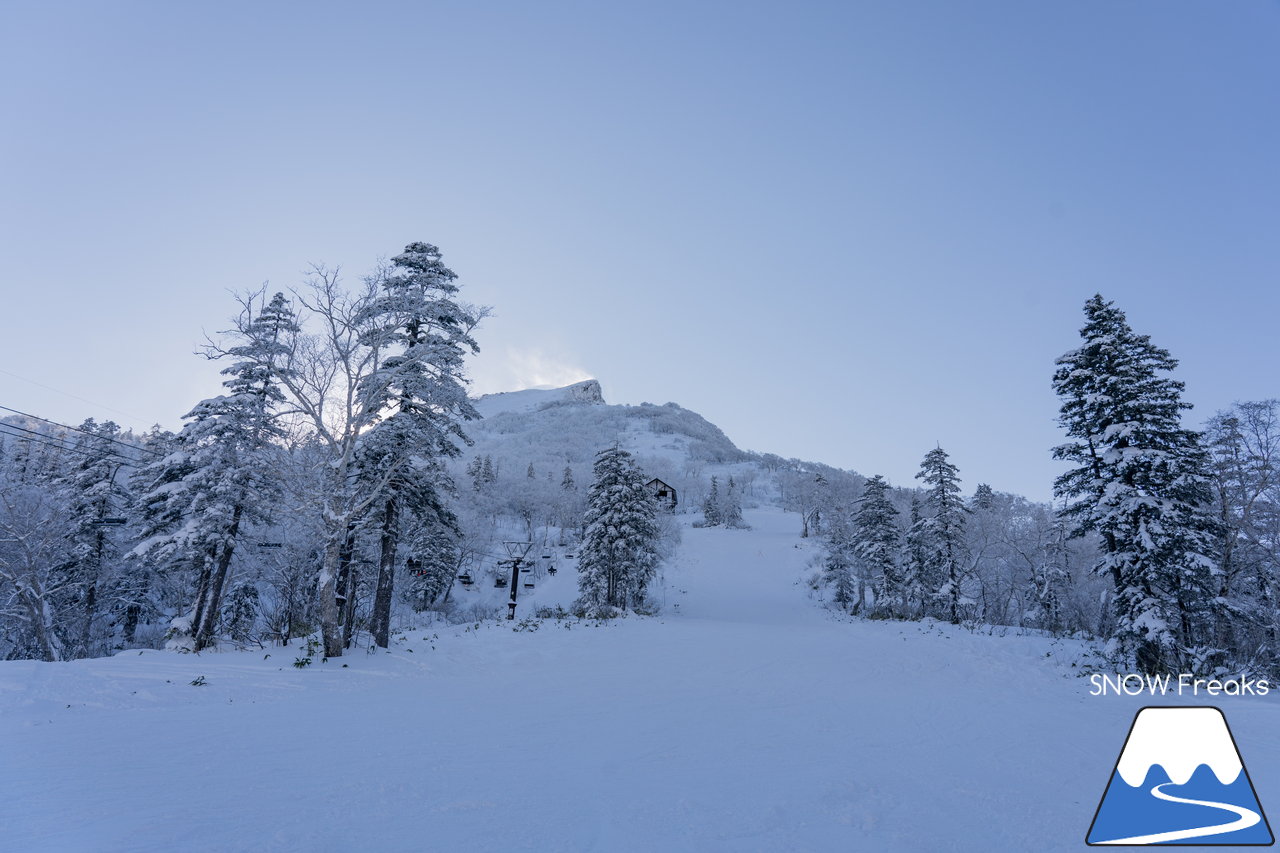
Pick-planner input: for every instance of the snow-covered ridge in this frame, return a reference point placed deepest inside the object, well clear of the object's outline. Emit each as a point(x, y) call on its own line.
point(1179, 740)
point(532, 399)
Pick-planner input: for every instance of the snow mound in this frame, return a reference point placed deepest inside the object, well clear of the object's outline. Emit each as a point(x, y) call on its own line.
point(1179, 740)
point(533, 399)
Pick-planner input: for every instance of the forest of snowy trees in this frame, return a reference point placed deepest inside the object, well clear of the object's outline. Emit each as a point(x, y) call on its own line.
point(276, 500)
point(1165, 542)
point(332, 489)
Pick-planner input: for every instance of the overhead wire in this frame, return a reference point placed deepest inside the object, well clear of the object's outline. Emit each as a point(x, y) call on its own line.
point(83, 431)
point(53, 441)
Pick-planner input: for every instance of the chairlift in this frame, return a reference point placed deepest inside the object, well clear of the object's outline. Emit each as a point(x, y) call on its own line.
point(568, 556)
point(465, 579)
point(528, 585)
point(499, 583)
point(546, 556)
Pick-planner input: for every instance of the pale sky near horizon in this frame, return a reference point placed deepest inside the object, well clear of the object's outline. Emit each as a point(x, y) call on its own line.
point(843, 232)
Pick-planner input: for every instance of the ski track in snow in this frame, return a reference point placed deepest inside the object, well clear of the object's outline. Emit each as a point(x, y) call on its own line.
point(1245, 818)
point(746, 718)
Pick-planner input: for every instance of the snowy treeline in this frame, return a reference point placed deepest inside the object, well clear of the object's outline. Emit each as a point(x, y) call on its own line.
point(1166, 543)
point(903, 553)
point(324, 490)
point(342, 479)
point(279, 505)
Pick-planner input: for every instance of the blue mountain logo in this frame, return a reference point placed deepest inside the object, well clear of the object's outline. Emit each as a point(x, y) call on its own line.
point(1180, 780)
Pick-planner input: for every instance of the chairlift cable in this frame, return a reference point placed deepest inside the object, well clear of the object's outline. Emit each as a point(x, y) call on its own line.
point(84, 432)
point(52, 441)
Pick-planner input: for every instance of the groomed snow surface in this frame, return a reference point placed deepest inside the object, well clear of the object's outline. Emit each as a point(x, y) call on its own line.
point(745, 718)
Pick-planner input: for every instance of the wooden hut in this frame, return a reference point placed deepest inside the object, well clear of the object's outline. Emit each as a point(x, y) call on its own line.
point(664, 494)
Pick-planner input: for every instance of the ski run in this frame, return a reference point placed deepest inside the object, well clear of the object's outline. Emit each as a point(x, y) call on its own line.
point(743, 717)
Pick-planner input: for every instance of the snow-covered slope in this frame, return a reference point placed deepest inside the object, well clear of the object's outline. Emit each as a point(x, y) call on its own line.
point(552, 429)
point(743, 719)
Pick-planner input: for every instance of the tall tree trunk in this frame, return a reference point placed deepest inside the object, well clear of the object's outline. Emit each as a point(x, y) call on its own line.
point(346, 586)
point(327, 594)
point(349, 609)
point(340, 520)
point(1265, 596)
point(90, 607)
point(217, 583)
point(131, 615)
point(204, 568)
point(40, 617)
point(386, 575)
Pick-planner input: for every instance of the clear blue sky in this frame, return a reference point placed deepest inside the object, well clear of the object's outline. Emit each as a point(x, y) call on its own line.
point(840, 231)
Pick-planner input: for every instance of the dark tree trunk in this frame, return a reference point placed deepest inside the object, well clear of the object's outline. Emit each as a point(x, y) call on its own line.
point(386, 575)
point(204, 568)
point(217, 583)
point(131, 616)
point(90, 607)
point(347, 585)
point(349, 610)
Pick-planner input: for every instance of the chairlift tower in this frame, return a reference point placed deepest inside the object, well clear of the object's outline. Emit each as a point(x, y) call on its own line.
point(517, 551)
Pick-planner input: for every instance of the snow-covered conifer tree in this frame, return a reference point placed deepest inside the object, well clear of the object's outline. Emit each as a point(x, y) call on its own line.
point(838, 562)
point(731, 506)
point(437, 560)
point(420, 393)
point(619, 553)
point(218, 477)
point(915, 567)
point(94, 491)
point(711, 506)
point(877, 542)
point(943, 528)
point(1140, 482)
